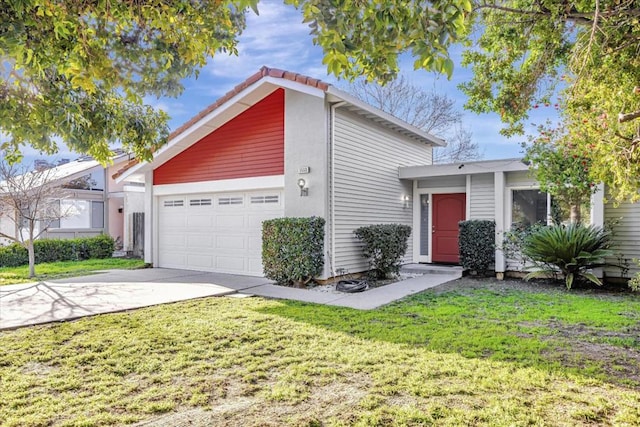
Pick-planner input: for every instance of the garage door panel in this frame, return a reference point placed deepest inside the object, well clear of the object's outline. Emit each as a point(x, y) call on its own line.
point(255, 265)
point(255, 220)
point(200, 241)
point(215, 232)
point(230, 221)
point(200, 220)
point(172, 220)
point(233, 241)
point(254, 244)
point(230, 263)
point(173, 260)
point(200, 261)
point(173, 239)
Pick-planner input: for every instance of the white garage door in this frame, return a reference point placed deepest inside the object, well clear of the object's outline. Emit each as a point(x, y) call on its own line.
point(219, 232)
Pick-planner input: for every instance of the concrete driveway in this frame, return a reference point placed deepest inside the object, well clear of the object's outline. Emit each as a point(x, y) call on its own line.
point(112, 291)
point(118, 290)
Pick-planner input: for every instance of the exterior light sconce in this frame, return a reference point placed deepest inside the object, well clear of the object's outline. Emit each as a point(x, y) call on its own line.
point(304, 190)
point(406, 199)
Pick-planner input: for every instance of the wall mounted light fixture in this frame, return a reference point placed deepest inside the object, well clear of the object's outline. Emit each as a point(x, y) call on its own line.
point(304, 190)
point(406, 199)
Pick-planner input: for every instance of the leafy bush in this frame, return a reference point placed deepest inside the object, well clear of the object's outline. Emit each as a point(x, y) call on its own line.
point(53, 250)
point(384, 246)
point(477, 242)
point(101, 246)
point(13, 255)
point(293, 249)
point(634, 282)
point(573, 250)
point(514, 240)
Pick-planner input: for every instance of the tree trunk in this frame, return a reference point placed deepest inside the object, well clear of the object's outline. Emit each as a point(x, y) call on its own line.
point(574, 216)
point(32, 259)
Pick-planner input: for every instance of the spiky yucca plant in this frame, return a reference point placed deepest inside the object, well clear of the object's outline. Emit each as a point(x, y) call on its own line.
point(572, 249)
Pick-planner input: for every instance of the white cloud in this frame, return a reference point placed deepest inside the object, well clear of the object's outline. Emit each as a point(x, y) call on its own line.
point(276, 38)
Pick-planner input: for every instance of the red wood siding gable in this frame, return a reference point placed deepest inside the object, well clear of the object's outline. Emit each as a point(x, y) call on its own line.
point(249, 145)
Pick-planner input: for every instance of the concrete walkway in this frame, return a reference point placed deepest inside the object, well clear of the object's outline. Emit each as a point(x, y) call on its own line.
point(368, 300)
point(119, 290)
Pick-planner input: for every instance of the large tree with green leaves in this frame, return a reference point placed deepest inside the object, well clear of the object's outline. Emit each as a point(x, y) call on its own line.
point(562, 168)
point(587, 54)
point(79, 69)
point(523, 53)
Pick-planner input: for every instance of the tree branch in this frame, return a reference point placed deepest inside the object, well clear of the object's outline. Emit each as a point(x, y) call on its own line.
point(585, 18)
point(627, 117)
point(625, 138)
point(12, 238)
point(578, 18)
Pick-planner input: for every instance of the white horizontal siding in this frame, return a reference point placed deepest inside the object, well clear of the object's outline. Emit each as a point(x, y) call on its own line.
point(626, 233)
point(366, 188)
point(482, 197)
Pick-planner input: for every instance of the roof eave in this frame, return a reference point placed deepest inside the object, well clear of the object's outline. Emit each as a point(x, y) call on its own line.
point(462, 168)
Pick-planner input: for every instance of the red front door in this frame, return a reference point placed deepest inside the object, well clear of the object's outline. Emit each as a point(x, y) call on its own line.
point(448, 210)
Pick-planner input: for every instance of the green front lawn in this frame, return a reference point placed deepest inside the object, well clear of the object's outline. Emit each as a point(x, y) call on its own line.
point(480, 355)
point(58, 270)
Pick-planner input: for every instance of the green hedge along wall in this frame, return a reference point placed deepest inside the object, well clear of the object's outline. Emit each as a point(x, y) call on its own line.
point(53, 250)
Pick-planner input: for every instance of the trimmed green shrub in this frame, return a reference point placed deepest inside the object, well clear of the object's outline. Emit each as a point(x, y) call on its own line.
point(53, 250)
point(99, 247)
point(293, 249)
point(13, 255)
point(572, 250)
point(384, 246)
point(477, 244)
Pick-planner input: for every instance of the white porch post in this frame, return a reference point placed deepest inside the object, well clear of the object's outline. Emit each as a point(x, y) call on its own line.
point(597, 218)
point(499, 197)
point(148, 217)
point(597, 206)
point(468, 198)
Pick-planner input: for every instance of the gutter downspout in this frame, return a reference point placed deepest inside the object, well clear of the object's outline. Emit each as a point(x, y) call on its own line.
point(332, 179)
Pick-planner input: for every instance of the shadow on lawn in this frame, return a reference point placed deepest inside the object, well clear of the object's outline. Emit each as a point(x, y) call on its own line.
point(583, 333)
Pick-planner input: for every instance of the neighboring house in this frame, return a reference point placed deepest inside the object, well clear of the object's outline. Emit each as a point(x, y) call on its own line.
point(93, 202)
point(241, 160)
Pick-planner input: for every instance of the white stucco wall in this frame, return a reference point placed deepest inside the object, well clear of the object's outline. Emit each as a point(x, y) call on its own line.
point(305, 145)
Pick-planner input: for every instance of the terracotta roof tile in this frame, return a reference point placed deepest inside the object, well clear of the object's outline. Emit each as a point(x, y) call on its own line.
point(263, 72)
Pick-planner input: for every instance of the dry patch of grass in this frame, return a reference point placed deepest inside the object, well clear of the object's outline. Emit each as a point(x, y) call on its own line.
point(224, 361)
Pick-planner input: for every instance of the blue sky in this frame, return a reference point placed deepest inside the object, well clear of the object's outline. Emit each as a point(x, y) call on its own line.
point(277, 38)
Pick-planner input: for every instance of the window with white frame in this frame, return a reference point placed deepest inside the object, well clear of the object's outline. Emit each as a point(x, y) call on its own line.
point(223, 201)
point(529, 207)
point(532, 206)
point(80, 214)
point(173, 203)
point(200, 202)
point(256, 200)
